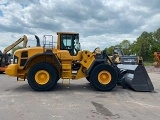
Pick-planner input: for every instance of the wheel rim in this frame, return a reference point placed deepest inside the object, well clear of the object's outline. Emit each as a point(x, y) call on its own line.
point(42, 77)
point(104, 77)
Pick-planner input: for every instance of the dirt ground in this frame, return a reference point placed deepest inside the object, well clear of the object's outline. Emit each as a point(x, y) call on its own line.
point(152, 69)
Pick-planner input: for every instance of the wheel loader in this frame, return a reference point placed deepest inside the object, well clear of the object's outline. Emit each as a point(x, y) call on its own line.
point(43, 66)
point(5, 58)
point(120, 58)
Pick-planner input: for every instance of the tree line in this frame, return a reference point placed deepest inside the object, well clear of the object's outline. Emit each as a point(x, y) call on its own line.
point(144, 46)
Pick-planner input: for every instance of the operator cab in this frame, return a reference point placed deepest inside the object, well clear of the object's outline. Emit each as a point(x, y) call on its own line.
point(70, 42)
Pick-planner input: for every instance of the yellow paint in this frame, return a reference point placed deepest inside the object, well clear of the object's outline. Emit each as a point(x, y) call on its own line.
point(80, 73)
point(87, 58)
point(104, 77)
point(64, 55)
point(42, 77)
point(11, 70)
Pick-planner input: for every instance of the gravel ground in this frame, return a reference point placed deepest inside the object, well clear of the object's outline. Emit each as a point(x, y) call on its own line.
point(78, 101)
point(152, 69)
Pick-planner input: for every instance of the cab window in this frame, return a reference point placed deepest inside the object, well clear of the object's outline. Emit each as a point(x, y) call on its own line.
point(70, 43)
point(66, 42)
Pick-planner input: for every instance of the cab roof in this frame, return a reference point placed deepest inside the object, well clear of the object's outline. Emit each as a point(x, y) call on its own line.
point(67, 33)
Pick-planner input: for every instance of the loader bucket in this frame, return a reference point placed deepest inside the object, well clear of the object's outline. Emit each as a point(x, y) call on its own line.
point(136, 78)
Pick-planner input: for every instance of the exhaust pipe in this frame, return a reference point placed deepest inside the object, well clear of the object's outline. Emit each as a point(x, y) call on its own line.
point(135, 77)
point(38, 41)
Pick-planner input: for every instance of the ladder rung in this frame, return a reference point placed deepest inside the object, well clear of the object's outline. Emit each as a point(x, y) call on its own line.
point(65, 81)
point(20, 79)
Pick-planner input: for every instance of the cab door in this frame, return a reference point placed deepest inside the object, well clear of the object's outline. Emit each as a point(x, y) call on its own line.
point(69, 42)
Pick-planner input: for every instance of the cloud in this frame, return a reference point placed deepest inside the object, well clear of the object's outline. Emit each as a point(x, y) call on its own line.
point(99, 22)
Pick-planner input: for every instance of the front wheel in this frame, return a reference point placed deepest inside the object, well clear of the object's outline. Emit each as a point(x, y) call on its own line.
point(42, 76)
point(104, 77)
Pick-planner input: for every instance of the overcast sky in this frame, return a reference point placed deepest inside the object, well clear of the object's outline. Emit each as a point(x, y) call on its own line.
point(101, 23)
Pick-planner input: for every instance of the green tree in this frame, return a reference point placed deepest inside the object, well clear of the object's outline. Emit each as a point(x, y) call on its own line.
point(110, 50)
point(125, 45)
point(156, 44)
point(156, 35)
point(143, 46)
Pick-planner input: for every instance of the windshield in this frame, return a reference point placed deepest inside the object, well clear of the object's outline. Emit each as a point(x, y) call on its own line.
point(66, 42)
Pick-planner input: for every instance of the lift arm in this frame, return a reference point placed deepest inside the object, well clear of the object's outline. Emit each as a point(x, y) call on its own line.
point(22, 39)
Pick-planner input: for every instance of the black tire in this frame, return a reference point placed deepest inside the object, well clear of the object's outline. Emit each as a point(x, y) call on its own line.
point(49, 69)
point(95, 80)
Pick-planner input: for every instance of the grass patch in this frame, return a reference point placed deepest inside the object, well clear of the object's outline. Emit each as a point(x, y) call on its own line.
point(148, 63)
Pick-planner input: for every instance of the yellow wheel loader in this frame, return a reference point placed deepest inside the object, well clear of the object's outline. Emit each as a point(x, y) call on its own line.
point(44, 65)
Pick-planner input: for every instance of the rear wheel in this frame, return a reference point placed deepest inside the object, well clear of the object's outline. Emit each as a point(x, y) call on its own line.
point(42, 76)
point(104, 77)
